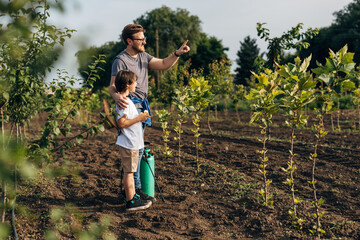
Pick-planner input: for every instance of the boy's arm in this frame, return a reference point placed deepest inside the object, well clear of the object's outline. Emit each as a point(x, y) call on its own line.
point(124, 123)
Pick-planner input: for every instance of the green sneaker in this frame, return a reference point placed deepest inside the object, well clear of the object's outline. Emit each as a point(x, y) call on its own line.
point(137, 204)
point(144, 196)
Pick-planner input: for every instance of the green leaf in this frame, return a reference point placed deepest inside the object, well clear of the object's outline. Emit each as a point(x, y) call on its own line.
point(263, 79)
point(4, 231)
point(305, 64)
point(330, 65)
point(325, 78)
point(348, 67)
point(63, 132)
point(342, 51)
point(57, 131)
point(348, 84)
point(79, 139)
point(68, 145)
point(6, 95)
point(348, 58)
point(101, 127)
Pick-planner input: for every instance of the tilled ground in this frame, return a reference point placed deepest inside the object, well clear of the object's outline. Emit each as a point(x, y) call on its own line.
point(221, 201)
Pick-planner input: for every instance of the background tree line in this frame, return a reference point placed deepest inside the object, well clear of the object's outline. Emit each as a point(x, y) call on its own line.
point(344, 30)
point(167, 29)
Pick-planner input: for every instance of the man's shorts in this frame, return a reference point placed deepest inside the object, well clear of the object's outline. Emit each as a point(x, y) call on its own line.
point(129, 159)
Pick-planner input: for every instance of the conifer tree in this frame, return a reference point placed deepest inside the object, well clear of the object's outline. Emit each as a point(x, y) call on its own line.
point(247, 54)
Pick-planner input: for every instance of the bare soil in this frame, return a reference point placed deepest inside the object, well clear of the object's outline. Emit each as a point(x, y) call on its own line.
point(221, 201)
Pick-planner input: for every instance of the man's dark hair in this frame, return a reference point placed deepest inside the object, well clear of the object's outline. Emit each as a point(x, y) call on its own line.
point(123, 79)
point(129, 30)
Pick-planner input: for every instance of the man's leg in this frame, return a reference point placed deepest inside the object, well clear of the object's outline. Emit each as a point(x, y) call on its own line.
point(137, 174)
point(141, 152)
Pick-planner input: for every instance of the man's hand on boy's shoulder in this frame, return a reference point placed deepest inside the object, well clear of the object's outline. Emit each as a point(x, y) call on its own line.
point(121, 102)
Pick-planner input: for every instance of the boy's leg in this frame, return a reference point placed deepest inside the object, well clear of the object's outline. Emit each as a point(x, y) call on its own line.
point(129, 162)
point(133, 200)
point(129, 185)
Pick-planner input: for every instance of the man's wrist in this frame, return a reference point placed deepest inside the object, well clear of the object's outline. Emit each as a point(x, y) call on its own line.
point(176, 55)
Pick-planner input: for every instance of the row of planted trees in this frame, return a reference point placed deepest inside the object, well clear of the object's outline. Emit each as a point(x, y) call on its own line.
point(193, 100)
point(288, 90)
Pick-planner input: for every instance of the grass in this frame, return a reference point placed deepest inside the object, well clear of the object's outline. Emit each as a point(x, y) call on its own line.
point(234, 182)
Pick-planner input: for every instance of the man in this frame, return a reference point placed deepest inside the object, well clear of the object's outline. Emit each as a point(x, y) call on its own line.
point(135, 59)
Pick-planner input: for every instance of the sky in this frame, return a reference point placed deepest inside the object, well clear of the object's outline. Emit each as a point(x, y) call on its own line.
point(101, 21)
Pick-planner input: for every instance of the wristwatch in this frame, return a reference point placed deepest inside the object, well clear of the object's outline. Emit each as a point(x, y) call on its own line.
point(176, 54)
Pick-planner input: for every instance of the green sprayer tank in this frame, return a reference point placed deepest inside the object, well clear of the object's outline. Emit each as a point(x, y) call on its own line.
point(146, 176)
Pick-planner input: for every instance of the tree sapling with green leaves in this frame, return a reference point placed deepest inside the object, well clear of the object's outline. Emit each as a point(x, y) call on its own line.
point(336, 74)
point(264, 104)
point(324, 104)
point(220, 82)
point(28, 48)
point(298, 90)
point(181, 103)
point(291, 39)
point(199, 96)
point(236, 96)
point(164, 123)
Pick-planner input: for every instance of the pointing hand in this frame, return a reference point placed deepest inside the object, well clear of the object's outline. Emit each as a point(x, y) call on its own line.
point(183, 49)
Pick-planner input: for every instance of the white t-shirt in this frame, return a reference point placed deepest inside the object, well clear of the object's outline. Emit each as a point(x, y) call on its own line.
point(130, 137)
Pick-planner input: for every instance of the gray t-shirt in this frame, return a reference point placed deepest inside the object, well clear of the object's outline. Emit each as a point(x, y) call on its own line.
point(139, 66)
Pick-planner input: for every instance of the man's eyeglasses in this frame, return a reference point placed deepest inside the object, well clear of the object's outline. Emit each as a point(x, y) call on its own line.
point(140, 39)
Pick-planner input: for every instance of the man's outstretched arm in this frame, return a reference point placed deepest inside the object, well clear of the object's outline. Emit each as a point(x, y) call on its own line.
point(166, 63)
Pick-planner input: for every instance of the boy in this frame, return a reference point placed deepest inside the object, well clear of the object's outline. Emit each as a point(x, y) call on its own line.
point(130, 140)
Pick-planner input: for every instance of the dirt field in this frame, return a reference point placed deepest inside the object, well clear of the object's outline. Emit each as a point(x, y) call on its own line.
point(222, 200)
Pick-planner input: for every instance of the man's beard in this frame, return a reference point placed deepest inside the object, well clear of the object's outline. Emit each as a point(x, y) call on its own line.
point(139, 49)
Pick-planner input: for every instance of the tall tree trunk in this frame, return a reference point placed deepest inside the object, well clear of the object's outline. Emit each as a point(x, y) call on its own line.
point(292, 187)
point(197, 155)
point(266, 191)
point(237, 113)
point(216, 113)
point(338, 114)
point(3, 185)
point(18, 133)
point(208, 119)
point(157, 56)
point(316, 205)
point(359, 114)
point(313, 181)
point(180, 127)
point(226, 109)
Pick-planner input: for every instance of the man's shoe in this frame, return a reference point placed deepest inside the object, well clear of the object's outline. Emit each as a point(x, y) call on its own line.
point(137, 204)
point(144, 195)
